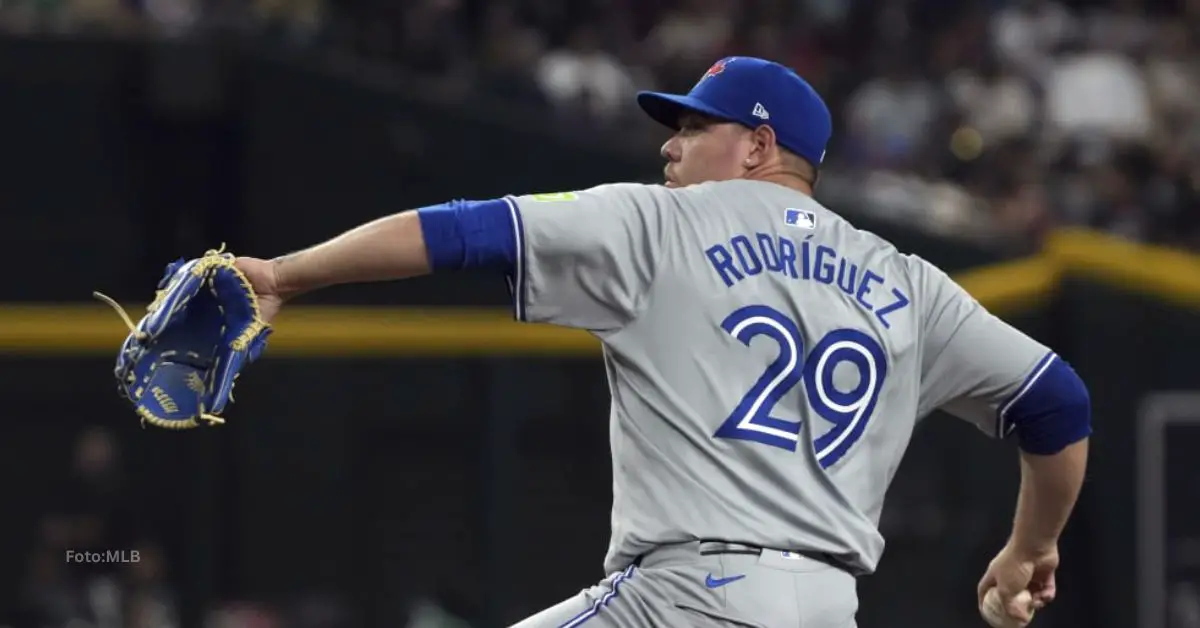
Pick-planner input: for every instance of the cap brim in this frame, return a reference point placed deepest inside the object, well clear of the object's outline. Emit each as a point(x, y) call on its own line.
point(666, 109)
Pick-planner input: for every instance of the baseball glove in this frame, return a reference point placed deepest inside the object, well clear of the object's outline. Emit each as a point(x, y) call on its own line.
point(179, 363)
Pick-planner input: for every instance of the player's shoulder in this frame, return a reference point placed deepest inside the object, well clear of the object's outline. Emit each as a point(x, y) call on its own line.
point(847, 229)
point(643, 195)
point(918, 270)
point(741, 196)
point(923, 269)
point(601, 190)
point(699, 193)
point(934, 287)
point(712, 194)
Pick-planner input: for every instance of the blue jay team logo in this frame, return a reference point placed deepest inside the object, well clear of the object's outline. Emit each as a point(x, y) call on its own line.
point(799, 218)
point(714, 70)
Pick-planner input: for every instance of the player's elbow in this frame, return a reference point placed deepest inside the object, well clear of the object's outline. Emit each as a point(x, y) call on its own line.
point(1055, 411)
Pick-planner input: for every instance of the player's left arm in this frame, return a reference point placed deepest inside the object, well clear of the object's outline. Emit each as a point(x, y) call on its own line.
point(582, 259)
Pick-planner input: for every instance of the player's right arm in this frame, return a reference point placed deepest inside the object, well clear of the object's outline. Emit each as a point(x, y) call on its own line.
point(581, 259)
point(978, 367)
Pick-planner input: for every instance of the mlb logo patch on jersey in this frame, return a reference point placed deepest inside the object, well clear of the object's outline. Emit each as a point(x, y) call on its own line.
point(799, 218)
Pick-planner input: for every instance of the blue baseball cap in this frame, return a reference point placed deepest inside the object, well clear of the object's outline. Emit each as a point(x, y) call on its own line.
point(752, 92)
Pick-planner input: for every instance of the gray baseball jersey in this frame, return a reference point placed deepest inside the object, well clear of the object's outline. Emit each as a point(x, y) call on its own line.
point(768, 361)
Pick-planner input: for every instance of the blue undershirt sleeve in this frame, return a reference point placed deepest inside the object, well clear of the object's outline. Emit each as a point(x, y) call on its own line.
point(466, 235)
point(1053, 412)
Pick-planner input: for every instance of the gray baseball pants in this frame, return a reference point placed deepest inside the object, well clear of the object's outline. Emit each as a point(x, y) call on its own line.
point(712, 585)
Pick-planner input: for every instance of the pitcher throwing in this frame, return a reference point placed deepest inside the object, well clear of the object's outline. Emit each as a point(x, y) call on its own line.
point(768, 362)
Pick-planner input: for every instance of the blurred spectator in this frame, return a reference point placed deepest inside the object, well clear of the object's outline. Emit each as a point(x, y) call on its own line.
point(1183, 605)
point(1027, 33)
point(1026, 211)
point(826, 12)
point(690, 37)
point(1174, 193)
point(889, 117)
point(150, 601)
point(97, 507)
point(998, 104)
point(1094, 91)
point(171, 17)
point(51, 597)
point(303, 611)
point(1172, 72)
point(509, 49)
point(1117, 207)
point(432, 39)
point(581, 77)
point(1120, 26)
point(428, 614)
point(242, 615)
point(799, 48)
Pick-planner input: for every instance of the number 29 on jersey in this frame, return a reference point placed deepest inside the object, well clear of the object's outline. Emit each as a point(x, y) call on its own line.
point(848, 411)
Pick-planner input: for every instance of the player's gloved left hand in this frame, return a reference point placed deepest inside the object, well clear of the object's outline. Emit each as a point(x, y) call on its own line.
point(179, 363)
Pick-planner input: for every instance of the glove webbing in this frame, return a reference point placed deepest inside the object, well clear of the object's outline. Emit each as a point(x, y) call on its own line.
point(141, 335)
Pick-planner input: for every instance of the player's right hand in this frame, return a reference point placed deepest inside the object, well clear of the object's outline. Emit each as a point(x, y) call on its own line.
point(265, 281)
point(1016, 569)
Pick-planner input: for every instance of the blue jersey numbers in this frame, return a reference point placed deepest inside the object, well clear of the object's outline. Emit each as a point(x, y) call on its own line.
point(848, 411)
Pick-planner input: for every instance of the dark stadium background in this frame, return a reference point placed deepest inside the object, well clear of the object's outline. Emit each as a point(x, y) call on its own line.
point(405, 456)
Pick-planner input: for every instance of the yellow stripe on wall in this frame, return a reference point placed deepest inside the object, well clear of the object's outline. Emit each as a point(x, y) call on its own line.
point(1166, 274)
point(310, 331)
point(1011, 286)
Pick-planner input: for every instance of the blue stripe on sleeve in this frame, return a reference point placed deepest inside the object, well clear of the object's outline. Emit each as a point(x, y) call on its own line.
point(464, 235)
point(1050, 411)
point(516, 277)
point(1004, 426)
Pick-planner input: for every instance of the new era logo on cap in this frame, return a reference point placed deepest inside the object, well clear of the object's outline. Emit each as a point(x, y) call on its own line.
point(799, 218)
point(760, 112)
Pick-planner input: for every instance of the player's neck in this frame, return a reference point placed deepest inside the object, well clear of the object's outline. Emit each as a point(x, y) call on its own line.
point(780, 176)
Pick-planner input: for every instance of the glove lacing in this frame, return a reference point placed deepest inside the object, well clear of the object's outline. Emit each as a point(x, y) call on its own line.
point(141, 335)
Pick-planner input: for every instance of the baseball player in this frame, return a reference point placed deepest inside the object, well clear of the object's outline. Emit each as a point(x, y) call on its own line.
point(768, 362)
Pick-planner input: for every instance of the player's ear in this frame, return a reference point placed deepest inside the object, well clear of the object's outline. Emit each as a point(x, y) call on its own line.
point(762, 144)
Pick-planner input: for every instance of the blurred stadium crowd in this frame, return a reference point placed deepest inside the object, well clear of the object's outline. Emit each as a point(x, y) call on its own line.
point(992, 118)
point(988, 117)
